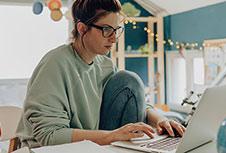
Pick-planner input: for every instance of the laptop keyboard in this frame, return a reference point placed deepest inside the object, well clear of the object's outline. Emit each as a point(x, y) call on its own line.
point(168, 143)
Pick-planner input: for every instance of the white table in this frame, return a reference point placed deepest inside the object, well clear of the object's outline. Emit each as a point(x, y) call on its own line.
point(208, 148)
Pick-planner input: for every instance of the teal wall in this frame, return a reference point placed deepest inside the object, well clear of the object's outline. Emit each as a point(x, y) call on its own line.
point(197, 25)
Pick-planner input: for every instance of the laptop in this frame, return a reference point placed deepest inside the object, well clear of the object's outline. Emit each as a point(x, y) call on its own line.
point(202, 128)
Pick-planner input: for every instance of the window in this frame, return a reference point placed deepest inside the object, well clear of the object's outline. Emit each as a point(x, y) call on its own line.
point(198, 68)
point(183, 75)
point(25, 38)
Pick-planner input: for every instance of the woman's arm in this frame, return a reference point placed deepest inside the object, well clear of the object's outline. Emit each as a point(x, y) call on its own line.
point(98, 136)
point(101, 137)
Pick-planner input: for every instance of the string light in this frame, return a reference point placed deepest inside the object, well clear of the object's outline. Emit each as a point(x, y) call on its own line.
point(134, 27)
point(171, 43)
point(126, 22)
point(178, 45)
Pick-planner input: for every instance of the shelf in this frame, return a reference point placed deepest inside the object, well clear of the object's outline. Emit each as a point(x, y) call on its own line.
point(154, 59)
point(137, 55)
point(131, 55)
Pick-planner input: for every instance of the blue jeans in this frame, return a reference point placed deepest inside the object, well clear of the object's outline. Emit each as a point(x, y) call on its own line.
point(123, 101)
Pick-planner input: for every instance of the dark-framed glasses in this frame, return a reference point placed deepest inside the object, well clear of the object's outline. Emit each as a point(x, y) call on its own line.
point(108, 31)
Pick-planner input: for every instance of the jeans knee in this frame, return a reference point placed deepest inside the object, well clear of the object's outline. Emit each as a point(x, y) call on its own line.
point(125, 80)
point(131, 80)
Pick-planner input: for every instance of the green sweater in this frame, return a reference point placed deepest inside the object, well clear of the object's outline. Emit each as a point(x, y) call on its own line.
point(63, 93)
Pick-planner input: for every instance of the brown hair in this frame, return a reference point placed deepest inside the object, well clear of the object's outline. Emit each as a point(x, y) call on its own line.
point(89, 11)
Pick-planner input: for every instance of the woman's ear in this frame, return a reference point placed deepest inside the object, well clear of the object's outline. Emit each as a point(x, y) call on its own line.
point(82, 28)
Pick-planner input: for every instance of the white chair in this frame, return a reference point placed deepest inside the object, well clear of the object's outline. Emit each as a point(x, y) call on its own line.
point(9, 118)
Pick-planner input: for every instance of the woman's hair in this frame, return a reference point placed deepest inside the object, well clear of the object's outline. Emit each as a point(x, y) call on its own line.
point(90, 11)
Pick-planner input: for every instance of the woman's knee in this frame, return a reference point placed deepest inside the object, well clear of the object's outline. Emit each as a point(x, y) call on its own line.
point(133, 82)
point(127, 79)
point(124, 81)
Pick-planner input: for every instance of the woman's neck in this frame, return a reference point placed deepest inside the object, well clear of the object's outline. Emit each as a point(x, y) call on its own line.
point(84, 54)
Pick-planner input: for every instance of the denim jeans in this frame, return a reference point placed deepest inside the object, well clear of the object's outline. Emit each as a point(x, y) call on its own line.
point(123, 101)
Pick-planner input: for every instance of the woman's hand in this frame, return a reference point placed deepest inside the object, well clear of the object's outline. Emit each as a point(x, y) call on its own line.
point(170, 126)
point(132, 130)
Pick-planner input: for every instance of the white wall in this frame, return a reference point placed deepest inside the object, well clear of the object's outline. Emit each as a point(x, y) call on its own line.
point(25, 38)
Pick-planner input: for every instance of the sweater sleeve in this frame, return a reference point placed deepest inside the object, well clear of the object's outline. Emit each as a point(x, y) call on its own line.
point(46, 107)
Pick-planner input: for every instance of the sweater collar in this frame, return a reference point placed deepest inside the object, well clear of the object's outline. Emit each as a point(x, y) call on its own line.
point(80, 60)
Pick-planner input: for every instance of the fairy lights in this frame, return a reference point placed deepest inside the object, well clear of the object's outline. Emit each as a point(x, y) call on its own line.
point(168, 42)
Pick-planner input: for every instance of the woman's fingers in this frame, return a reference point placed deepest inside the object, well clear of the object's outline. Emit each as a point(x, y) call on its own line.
point(178, 127)
point(135, 130)
point(141, 128)
point(134, 135)
point(170, 125)
point(166, 125)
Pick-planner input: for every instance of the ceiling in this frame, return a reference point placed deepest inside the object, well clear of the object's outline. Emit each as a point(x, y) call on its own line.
point(163, 7)
point(170, 7)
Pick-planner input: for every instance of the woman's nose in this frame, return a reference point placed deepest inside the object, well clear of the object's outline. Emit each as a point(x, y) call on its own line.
point(112, 39)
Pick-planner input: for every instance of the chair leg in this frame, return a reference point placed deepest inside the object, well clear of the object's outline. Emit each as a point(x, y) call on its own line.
point(13, 144)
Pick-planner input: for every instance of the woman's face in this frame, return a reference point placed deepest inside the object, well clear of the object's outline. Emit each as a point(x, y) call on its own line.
point(95, 41)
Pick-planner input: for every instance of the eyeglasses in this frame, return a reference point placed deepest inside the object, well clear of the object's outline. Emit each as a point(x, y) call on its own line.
point(108, 31)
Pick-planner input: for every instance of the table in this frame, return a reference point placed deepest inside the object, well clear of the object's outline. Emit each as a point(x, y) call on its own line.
point(207, 148)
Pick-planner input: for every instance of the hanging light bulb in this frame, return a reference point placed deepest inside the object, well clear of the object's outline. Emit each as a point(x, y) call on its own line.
point(56, 14)
point(37, 7)
point(54, 4)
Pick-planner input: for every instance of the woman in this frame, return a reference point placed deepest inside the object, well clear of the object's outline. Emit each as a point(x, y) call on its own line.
point(76, 93)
